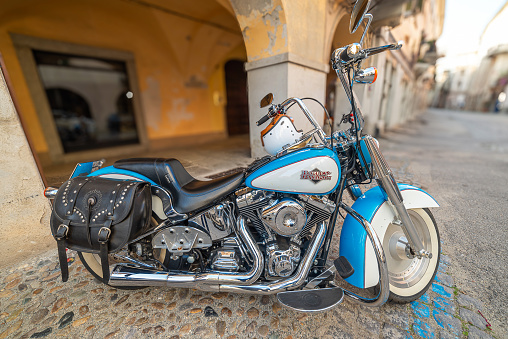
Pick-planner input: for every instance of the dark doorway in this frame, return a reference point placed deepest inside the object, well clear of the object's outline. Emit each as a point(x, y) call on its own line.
point(237, 109)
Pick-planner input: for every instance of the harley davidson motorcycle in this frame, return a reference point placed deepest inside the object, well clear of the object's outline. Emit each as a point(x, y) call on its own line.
point(267, 230)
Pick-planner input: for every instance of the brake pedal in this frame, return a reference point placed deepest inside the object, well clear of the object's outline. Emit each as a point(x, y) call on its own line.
point(343, 267)
point(311, 300)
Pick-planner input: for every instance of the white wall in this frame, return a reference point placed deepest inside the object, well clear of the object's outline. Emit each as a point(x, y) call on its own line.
point(24, 211)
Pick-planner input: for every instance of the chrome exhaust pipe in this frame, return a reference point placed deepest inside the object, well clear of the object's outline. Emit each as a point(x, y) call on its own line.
point(291, 283)
point(123, 275)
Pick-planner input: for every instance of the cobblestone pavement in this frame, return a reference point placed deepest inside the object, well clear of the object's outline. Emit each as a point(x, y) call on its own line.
point(34, 303)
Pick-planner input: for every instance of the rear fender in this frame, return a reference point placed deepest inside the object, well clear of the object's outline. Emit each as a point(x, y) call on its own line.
point(374, 207)
point(110, 172)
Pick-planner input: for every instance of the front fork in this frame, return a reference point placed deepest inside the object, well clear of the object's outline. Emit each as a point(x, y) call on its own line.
point(388, 184)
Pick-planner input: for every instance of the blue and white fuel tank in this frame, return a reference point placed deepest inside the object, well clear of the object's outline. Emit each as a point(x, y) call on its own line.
point(306, 171)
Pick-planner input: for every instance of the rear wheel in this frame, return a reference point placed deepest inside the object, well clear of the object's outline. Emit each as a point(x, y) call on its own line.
point(409, 276)
point(92, 262)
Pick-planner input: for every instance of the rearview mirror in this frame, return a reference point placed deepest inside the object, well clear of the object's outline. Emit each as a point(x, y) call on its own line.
point(358, 14)
point(267, 100)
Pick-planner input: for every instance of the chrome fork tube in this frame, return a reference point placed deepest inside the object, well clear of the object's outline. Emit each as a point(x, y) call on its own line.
point(385, 175)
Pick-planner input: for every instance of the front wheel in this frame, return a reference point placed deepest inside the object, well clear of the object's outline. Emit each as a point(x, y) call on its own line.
point(409, 276)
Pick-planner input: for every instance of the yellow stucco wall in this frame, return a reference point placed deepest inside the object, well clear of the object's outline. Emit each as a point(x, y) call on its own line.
point(179, 61)
point(283, 26)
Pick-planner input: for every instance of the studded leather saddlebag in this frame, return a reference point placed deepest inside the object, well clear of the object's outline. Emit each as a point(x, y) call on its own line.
point(97, 215)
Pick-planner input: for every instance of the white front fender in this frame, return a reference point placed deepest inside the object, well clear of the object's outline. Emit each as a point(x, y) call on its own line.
point(373, 206)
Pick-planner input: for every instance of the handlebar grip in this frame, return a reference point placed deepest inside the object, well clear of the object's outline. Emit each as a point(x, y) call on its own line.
point(377, 50)
point(262, 120)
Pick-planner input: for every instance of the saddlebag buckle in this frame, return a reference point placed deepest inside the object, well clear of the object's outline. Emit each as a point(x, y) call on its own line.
point(104, 234)
point(61, 232)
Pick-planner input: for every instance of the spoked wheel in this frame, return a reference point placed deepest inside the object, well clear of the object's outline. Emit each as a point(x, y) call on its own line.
point(92, 263)
point(411, 277)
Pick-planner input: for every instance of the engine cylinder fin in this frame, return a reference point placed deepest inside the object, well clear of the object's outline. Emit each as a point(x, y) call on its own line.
point(318, 215)
point(250, 212)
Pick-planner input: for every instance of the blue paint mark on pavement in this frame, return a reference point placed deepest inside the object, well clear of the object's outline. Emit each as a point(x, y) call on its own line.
point(447, 322)
point(444, 304)
point(444, 279)
point(441, 290)
point(425, 298)
point(438, 319)
point(420, 310)
point(442, 267)
point(423, 329)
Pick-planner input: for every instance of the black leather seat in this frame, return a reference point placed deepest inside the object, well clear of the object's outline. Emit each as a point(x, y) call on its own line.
point(188, 194)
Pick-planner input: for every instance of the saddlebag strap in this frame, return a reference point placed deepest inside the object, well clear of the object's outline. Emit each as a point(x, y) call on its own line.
point(60, 236)
point(104, 234)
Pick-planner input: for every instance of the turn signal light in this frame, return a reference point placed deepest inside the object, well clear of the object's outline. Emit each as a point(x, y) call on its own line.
point(50, 192)
point(366, 76)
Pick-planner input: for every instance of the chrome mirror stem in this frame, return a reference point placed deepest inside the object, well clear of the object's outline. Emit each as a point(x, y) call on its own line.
point(369, 17)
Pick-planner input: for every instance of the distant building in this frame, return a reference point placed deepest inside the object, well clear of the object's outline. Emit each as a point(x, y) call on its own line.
point(478, 81)
point(405, 77)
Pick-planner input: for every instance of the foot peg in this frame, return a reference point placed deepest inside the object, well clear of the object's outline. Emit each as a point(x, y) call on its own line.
point(343, 267)
point(311, 300)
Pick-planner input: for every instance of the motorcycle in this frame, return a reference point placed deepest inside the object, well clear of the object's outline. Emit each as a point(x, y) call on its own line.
point(268, 229)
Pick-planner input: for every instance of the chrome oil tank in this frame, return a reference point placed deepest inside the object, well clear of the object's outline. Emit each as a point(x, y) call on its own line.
point(306, 171)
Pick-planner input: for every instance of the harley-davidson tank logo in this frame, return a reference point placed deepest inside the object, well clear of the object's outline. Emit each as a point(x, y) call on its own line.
point(316, 175)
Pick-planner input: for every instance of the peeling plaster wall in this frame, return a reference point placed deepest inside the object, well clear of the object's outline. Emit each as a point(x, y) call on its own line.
point(264, 27)
point(285, 41)
point(24, 211)
point(279, 26)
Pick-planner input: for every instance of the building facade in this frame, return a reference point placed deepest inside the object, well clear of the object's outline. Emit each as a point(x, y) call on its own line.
point(478, 80)
point(95, 78)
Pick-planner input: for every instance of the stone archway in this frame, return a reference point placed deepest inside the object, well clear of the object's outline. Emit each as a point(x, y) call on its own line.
point(286, 43)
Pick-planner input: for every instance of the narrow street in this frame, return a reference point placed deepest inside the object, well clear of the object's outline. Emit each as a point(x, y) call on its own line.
point(458, 157)
point(461, 158)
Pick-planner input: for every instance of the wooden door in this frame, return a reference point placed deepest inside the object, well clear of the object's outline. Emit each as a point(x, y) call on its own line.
point(237, 109)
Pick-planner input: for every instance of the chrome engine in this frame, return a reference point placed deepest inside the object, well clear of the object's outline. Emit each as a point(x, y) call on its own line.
point(286, 217)
point(179, 239)
point(283, 221)
point(228, 257)
point(282, 263)
point(219, 220)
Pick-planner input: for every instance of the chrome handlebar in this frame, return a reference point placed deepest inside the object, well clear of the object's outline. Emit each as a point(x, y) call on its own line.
point(353, 53)
point(321, 134)
point(274, 109)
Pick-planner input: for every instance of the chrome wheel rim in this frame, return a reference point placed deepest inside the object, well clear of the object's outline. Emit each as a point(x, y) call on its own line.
point(405, 270)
